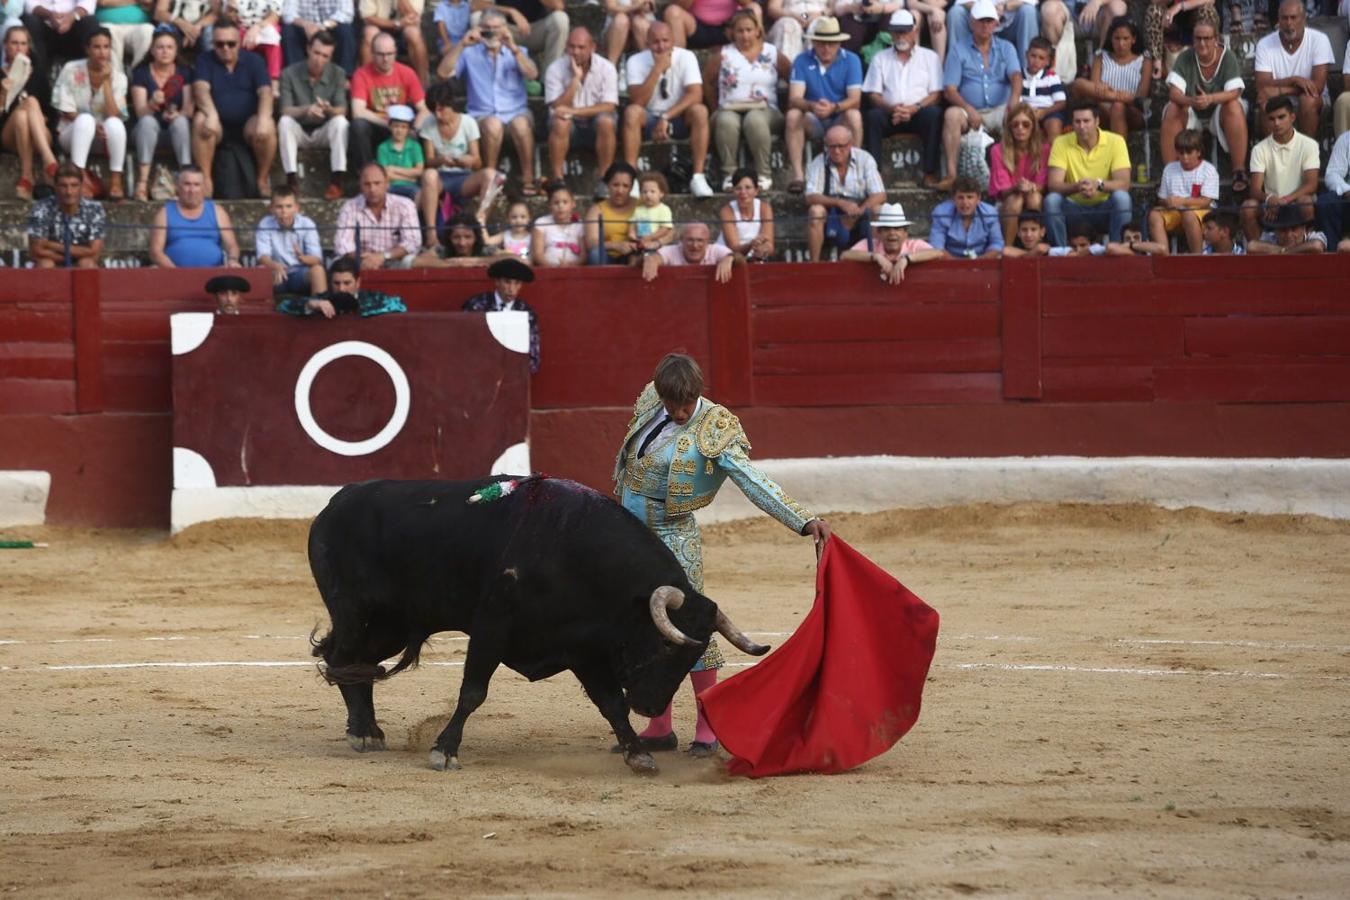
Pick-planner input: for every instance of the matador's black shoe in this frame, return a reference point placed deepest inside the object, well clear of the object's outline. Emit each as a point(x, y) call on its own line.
point(653, 744)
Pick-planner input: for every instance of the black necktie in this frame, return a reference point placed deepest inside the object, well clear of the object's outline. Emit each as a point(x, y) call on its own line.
point(651, 436)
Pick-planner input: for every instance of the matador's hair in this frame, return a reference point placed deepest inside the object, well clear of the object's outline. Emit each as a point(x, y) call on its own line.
point(678, 378)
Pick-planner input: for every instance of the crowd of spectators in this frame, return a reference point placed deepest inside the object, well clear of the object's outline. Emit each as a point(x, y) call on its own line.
point(423, 141)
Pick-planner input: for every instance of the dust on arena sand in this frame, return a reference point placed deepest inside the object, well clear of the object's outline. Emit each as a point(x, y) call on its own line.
point(1125, 701)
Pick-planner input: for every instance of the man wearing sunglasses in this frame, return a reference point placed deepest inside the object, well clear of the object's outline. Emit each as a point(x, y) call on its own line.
point(233, 95)
point(665, 94)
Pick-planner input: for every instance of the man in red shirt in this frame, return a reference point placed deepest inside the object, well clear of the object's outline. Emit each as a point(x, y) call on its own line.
point(376, 86)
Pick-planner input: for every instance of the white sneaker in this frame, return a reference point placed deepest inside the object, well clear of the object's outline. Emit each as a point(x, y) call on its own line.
point(765, 183)
point(726, 185)
point(699, 187)
point(636, 192)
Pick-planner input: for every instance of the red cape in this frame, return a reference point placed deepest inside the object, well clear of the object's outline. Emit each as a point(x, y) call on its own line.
point(843, 688)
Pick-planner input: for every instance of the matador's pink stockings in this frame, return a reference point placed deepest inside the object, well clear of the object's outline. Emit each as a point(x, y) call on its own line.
point(663, 724)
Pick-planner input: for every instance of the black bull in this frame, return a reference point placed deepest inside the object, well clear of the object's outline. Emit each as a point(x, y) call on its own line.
point(552, 577)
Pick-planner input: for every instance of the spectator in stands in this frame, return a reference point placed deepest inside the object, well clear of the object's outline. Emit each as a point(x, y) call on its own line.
point(747, 221)
point(843, 190)
point(628, 24)
point(398, 19)
point(1088, 178)
point(302, 19)
point(494, 71)
point(376, 86)
point(607, 221)
point(346, 297)
point(314, 113)
point(793, 21)
point(964, 226)
point(59, 29)
point(66, 215)
point(454, 162)
point(509, 276)
point(1015, 21)
point(703, 23)
point(516, 238)
point(540, 26)
point(1205, 91)
point(1284, 170)
point(195, 21)
point(1095, 17)
point(161, 99)
point(694, 249)
point(91, 97)
point(1120, 79)
point(1334, 204)
point(653, 224)
point(1029, 239)
point(401, 154)
point(232, 93)
point(559, 238)
point(130, 28)
point(1340, 112)
point(904, 94)
point(1170, 25)
point(893, 250)
point(582, 93)
point(259, 24)
point(665, 102)
point(1293, 62)
point(740, 83)
point(1018, 166)
point(23, 126)
point(192, 231)
point(389, 234)
point(461, 246)
point(1042, 90)
point(824, 90)
point(1221, 231)
point(288, 243)
point(982, 79)
point(1288, 231)
point(229, 291)
point(1084, 240)
point(1188, 191)
point(453, 19)
point(1132, 243)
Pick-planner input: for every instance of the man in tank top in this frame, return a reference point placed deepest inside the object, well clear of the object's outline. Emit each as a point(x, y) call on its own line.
point(192, 231)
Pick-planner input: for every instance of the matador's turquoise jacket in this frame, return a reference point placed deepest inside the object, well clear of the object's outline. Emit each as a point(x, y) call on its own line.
point(685, 471)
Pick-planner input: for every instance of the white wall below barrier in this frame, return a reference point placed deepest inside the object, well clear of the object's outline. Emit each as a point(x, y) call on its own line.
point(23, 497)
point(1319, 487)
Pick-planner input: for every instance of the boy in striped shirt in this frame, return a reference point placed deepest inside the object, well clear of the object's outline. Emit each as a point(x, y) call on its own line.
point(1187, 192)
point(1042, 90)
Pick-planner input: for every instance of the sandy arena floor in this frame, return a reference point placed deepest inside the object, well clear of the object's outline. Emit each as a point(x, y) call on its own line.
point(1124, 702)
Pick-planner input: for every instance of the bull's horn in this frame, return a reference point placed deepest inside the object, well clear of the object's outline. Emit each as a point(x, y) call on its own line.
point(737, 637)
point(664, 598)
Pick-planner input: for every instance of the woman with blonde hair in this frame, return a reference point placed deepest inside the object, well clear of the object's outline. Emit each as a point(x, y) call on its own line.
point(1017, 168)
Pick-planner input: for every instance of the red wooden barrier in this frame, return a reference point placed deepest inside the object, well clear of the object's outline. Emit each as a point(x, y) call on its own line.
point(1177, 356)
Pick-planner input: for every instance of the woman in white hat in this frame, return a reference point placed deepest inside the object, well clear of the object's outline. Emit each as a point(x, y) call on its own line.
point(890, 247)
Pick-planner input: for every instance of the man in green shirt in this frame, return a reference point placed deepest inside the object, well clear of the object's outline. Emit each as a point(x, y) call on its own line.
point(1088, 178)
point(314, 113)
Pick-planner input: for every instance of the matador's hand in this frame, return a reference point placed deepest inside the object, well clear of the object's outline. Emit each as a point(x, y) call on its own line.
point(820, 530)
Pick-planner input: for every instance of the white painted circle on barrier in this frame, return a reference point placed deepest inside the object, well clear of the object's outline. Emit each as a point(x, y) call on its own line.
point(402, 397)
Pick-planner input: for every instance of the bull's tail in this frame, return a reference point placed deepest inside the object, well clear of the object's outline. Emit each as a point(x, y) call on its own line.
point(359, 672)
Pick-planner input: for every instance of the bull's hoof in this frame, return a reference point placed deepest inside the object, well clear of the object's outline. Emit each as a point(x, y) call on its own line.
point(641, 763)
point(364, 744)
point(442, 763)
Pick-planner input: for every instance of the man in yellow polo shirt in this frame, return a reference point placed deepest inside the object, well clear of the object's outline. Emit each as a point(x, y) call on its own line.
point(1088, 178)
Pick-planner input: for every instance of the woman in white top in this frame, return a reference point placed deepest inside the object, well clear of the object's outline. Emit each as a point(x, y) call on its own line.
point(91, 96)
point(747, 221)
point(453, 164)
point(559, 238)
point(1120, 76)
point(741, 84)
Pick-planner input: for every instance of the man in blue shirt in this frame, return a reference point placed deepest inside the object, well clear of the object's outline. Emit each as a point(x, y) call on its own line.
point(233, 94)
point(981, 79)
point(964, 226)
point(494, 70)
point(288, 244)
point(825, 89)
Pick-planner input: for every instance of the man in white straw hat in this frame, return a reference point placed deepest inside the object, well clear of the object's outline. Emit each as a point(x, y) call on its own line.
point(824, 90)
point(891, 248)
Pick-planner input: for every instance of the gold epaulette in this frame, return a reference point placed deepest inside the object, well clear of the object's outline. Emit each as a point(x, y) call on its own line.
point(717, 430)
point(646, 401)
